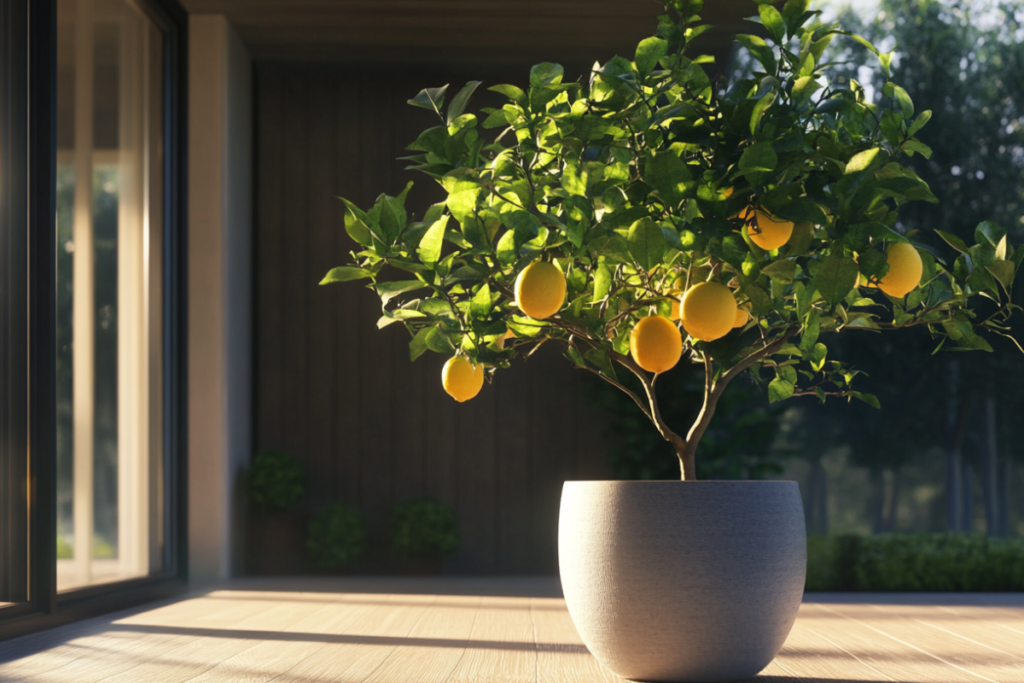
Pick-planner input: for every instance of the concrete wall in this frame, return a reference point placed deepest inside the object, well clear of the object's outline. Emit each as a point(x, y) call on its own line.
point(220, 285)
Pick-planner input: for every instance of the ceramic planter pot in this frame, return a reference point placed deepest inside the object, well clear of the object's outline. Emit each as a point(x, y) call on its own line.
point(692, 582)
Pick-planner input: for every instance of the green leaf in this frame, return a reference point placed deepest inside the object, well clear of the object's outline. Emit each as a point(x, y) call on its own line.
point(759, 157)
point(429, 249)
point(459, 102)
point(646, 243)
point(418, 345)
point(836, 277)
point(1003, 271)
point(989, 233)
point(389, 290)
point(953, 241)
point(575, 356)
point(344, 274)
point(508, 249)
point(811, 330)
point(438, 342)
point(803, 88)
point(772, 20)
point(816, 357)
point(922, 118)
point(870, 399)
point(759, 109)
point(757, 47)
point(792, 11)
point(779, 390)
point(357, 224)
point(512, 92)
point(863, 161)
point(599, 358)
point(906, 104)
point(784, 270)
point(602, 282)
point(669, 175)
point(398, 315)
point(392, 218)
point(911, 146)
point(480, 305)
point(545, 73)
point(430, 98)
point(648, 52)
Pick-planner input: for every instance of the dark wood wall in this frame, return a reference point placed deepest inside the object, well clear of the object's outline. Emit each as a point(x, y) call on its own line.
point(371, 427)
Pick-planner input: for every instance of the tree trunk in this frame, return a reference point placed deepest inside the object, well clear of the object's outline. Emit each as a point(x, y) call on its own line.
point(687, 462)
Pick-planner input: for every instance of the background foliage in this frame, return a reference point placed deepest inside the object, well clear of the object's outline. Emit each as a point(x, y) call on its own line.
point(424, 528)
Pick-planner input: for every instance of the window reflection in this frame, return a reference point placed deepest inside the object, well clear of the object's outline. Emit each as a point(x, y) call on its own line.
point(109, 233)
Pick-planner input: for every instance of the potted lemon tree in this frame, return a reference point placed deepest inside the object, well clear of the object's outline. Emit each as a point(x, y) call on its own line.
point(646, 215)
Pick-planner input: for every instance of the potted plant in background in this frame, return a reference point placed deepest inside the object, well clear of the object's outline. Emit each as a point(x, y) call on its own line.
point(337, 536)
point(646, 214)
point(424, 533)
point(275, 482)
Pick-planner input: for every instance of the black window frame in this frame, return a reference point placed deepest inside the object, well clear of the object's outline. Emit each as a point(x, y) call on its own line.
point(28, 322)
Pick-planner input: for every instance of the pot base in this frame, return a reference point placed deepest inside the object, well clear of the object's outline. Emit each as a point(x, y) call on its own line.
point(683, 582)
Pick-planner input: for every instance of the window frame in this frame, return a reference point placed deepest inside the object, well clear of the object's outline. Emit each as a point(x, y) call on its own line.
point(30, 67)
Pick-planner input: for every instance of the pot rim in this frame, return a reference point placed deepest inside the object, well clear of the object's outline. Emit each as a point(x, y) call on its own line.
point(633, 482)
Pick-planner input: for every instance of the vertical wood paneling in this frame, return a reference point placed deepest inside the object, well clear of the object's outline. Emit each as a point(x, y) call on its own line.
point(269, 282)
point(321, 342)
point(341, 395)
point(297, 276)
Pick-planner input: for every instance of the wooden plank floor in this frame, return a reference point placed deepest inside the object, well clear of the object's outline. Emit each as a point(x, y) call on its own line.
point(483, 630)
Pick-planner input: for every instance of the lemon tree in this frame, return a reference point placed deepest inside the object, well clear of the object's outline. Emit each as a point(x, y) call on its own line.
point(755, 218)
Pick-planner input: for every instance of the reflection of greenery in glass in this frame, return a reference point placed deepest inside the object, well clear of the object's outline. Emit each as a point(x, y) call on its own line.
point(105, 219)
point(65, 431)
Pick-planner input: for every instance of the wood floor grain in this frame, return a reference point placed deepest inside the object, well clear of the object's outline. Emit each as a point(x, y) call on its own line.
point(485, 630)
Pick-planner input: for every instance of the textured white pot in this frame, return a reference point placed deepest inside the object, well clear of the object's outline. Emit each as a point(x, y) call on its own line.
point(694, 581)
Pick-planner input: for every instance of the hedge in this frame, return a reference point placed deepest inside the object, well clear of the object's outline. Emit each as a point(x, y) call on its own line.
point(914, 562)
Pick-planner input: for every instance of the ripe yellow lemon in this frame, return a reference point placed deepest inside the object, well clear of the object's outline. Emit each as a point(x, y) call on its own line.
point(708, 311)
point(742, 316)
point(655, 344)
point(540, 290)
point(461, 379)
point(905, 270)
point(771, 232)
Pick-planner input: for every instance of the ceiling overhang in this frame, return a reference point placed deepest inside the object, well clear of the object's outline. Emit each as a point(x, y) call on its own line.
point(459, 31)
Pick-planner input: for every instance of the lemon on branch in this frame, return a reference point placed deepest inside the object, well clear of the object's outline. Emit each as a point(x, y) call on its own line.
point(767, 231)
point(905, 270)
point(461, 379)
point(655, 344)
point(540, 290)
point(708, 311)
point(742, 316)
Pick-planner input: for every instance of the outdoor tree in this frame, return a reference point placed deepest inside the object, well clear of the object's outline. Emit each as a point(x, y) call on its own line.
point(645, 213)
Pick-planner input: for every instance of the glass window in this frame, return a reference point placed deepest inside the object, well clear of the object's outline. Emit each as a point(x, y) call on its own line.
point(110, 460)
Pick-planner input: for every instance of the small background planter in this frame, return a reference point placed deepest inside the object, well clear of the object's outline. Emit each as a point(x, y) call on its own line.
point(682, 581)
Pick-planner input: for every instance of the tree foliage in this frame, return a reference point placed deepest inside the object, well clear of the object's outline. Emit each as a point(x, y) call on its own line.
point(633, 179)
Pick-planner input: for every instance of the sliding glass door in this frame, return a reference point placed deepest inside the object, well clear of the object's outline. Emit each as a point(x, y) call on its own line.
point(91, 307)
point(110, 512)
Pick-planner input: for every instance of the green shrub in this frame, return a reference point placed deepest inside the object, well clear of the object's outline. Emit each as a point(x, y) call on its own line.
point(336, 537)
point(276, 480)
point(424, 529)
point(914, 562)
